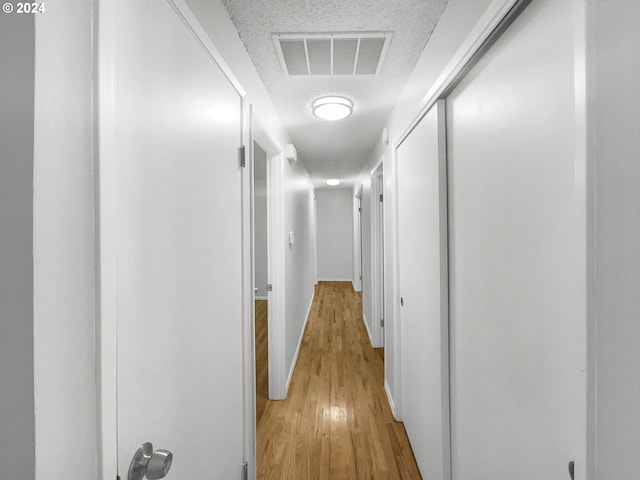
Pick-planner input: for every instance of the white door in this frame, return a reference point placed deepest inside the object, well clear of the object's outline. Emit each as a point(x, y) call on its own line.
point(377, 254)
point(423, 289)
point(517, 268)
point(178, 213)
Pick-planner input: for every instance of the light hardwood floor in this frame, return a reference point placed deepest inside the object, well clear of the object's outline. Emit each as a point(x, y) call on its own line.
point(335, 423)
point(262, 359)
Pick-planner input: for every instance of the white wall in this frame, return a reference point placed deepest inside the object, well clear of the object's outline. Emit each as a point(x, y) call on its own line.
point(458, 19)
point(260, 221)
point(614, 67)
point(63, 247)
point(17, 430)
point(335, 234)
point(300, 257)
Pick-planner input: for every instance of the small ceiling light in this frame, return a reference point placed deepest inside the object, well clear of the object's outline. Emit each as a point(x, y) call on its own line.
point(332, 108)
point(333, 182)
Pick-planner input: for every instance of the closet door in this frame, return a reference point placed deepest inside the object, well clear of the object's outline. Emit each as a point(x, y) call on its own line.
point(517, 256)
point(422, 234)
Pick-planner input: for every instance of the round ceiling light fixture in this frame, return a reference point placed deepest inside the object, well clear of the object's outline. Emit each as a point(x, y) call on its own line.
point(332, 107)
point(333, 182)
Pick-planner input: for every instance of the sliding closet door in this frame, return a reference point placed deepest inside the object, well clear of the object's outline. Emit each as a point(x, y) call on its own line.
point(517, 256)
point(423, 288)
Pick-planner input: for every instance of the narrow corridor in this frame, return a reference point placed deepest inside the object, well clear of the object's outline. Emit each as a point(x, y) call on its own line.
point(336, 422)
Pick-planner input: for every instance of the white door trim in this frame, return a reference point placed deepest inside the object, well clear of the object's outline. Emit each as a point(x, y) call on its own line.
point(106, 332)
point(105, 223)
point(357, 279)
point(377, 255)
point(275, 255)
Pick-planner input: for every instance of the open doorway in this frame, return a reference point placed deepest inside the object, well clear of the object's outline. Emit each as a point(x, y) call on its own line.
point(261, 278)
point(268, 255)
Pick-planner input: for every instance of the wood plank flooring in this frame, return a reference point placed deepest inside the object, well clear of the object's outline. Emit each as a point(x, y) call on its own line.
point(262, 358)
point(336, 422)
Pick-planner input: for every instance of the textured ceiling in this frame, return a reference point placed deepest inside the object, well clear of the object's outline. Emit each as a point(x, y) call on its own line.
point(335, 149)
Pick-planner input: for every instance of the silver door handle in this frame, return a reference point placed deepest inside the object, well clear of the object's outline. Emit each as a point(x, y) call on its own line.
point(147, 462)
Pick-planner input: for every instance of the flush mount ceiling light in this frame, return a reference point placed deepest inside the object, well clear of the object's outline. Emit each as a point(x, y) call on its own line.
point(333, 182)
point(332, 108)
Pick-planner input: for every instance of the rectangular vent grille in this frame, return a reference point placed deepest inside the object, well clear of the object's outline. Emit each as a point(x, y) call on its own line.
point(322, 54)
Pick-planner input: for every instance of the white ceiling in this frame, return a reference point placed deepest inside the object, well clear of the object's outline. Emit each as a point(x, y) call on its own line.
point(335, 149)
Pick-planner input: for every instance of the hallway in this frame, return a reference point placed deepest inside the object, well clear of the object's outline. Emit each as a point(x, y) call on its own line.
point(470, 167)
point(336, 422)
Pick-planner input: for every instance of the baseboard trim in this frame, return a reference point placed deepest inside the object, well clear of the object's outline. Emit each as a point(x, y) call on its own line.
point(261, 298)
point(350, 280)
point(366, 325)
point(295, 356)
point(392, 404)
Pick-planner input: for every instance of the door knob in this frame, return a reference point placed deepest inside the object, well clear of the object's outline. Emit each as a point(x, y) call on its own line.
point(147, 462)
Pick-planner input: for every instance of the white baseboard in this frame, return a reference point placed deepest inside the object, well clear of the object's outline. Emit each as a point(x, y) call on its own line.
point(260, 298)
point(366, 325)
point(392, 404)
point(335, 280)
point(295, 355)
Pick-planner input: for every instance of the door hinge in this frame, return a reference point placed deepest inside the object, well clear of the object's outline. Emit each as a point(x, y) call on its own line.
point(269, 287)
point(243, 156)
point(359, 209)
point(245, 471)
point(381, 197)
point(360, 277)
point(382, 322)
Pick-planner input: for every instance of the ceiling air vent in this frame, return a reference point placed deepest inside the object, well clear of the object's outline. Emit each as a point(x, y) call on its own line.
point(321, 54)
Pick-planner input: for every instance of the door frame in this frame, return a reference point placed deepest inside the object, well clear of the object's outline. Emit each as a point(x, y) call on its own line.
point(377, 253)
point(105, 227)
point(357, 240)
point(275, 254)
